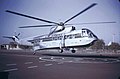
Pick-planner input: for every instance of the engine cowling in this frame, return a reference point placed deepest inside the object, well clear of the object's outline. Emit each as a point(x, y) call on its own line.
point(57, 29)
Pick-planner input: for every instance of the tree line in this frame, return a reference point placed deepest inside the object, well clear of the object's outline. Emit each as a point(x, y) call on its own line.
point(100, 44)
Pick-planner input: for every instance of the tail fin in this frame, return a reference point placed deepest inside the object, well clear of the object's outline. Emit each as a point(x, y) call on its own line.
point(15, 38)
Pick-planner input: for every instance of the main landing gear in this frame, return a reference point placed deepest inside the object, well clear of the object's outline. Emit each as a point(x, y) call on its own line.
point(34, 52)
point(72, 50)
point(61, 51)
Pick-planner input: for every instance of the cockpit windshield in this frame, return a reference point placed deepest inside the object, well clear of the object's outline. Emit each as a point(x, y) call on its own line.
point(87, 32)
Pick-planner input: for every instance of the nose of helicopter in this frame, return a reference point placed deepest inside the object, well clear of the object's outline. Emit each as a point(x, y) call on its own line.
point(96, 38)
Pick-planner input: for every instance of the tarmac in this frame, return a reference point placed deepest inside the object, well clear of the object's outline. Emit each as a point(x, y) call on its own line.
point(15, 64)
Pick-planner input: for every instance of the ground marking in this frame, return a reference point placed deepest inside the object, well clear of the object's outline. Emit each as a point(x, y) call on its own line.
point(60, 62)
point(28, 62)
point(32, 67)
point(48, 64)
point(11, 70)
point(41, 61)
point(10, 64)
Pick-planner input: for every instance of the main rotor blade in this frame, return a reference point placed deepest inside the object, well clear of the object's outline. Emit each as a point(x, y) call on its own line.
point(7, 37)
point(30, 17)
point(92, 5)
point(91, 23)
point(53, 31)
point(37, 26)
point(18, 34)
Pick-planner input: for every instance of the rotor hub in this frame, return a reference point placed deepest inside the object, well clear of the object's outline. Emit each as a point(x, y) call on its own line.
point(61, 24)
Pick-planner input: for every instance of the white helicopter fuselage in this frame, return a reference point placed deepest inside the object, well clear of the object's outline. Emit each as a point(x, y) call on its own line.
point(68, 38)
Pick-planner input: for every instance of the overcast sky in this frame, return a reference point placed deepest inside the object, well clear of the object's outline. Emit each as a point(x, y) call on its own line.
point(60, 11)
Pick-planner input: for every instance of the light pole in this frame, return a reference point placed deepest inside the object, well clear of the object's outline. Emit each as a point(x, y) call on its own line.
point(119, 37)
point(113, 38)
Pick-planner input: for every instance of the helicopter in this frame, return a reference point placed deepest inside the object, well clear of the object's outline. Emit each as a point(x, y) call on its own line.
point(62, 35)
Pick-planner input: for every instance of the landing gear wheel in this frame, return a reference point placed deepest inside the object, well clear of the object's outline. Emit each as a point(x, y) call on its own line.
point(61, 50)
point(73, 51)
point(34, 53)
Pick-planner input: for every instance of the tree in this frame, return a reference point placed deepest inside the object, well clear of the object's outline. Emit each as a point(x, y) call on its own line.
point(114, 46)
point(99, 44)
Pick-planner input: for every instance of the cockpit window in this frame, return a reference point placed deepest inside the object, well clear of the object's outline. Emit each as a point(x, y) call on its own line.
point(90, 34)
point(84, 33)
